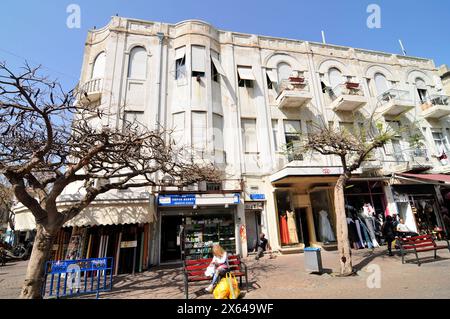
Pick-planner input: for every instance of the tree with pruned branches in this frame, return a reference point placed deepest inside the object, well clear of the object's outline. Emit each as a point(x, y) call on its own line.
point(49, 140)
point(352, 148)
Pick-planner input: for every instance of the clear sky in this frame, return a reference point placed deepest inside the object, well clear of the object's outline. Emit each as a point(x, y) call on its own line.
point(37, 30)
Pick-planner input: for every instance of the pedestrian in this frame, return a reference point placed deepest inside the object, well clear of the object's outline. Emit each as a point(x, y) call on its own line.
point(262, 246)
point(219, 264)
point(388, 230)
point(403, 230)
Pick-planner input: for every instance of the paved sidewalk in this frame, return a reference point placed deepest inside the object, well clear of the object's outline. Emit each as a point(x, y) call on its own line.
point(284, 277)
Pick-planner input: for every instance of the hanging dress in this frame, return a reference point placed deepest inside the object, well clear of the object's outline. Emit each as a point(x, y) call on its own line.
point(358, 230)
point(284, 232)
point(292, 227)
point(326, 230)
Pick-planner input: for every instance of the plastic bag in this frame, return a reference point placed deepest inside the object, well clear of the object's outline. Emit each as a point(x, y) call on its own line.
point(233, 286)
point(222, 290)
point(210, 271)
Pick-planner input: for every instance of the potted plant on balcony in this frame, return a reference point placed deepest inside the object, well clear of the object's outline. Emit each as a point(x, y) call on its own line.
point(417, 144)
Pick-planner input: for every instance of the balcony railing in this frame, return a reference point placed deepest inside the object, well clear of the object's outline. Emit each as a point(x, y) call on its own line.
point(347, 97)
point(413, 159)
point(436, 107)
point(91, 90)
point(293, 92)
point(395, 102)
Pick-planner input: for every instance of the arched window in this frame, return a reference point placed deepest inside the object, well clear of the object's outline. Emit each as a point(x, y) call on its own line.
point(98, 70)
point(422, 90)
point(284, 71)
point(335, 77)
point(381, 83)
point(137, 68)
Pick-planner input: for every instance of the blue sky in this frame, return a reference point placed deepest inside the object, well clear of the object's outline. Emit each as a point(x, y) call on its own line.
point(37, 30)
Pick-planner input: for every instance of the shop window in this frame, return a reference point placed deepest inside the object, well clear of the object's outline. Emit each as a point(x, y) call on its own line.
point(213, 186)
point(324, 218)
point(291, 227)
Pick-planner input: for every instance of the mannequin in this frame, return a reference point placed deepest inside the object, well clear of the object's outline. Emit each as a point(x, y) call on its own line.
point(326, 231)
point(292, 227)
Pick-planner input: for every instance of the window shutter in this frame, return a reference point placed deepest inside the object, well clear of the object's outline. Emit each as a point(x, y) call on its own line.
point(218, 66)
point(198, 59)
point(98, 70)
point(199, 130)
point(178, 128)
point(246, 73)
point(249, 136)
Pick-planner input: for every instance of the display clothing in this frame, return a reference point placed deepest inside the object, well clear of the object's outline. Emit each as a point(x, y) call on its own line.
point(352, 233)
point(292, 227)
point(326, 231)
point(358, 229)
point(370, 223)
point(284, 232)
point(365, 233)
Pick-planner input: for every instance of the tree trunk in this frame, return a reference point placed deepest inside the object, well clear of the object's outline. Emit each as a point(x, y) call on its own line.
point(345, 253)
point(34, 279)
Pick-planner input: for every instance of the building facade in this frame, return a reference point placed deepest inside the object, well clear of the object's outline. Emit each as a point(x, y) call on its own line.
point(243, 101)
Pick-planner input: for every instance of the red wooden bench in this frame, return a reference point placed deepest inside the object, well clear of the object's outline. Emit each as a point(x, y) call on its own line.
point(194, 271)
point(419, 244)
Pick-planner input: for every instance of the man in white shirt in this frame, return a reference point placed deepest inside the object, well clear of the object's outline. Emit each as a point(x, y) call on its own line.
point(403, 230)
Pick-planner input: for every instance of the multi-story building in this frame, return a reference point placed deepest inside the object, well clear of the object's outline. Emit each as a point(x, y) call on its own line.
point(242, 101)
point(444, 72)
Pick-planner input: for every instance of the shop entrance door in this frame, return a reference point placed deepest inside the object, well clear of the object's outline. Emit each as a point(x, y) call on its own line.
point(302, 225)
point(253, 228)
point(170, 241)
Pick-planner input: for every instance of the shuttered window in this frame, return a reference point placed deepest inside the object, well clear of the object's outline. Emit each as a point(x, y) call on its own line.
point(199, 129)
point(249, 136)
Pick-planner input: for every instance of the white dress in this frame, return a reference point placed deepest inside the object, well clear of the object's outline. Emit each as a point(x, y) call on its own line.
point(326, 231)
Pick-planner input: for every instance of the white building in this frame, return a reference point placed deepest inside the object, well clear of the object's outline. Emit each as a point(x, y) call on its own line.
point(241, 100)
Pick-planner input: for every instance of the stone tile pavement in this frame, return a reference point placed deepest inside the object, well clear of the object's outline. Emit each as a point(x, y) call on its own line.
point(284, 277)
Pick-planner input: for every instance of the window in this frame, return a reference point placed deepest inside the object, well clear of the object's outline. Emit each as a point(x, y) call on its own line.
point(284, 71)
point(381, 83)
point(218, 131)
point(178, 128)
point(398, 151)
point(271, 78)
point(216, 63)
point(249, 136)
point(98, 69)
point(245, 76)
point(133, 118)
point(292, 131)
point(214, 73)
point(422, 90)
point(335, 77)
point(198, 61)
point(441, 143)
point(199, 130)
point(213, 186)
point(348, 127)
point(180, 63)
point(275, 134)
point(137, 67)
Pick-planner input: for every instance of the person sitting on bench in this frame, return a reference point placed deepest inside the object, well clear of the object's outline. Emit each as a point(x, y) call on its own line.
point(403, 230)
point(220, 264)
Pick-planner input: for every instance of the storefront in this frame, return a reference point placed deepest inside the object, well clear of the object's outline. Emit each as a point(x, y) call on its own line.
point(304, 208)
point(114, 225)
point(366, 205)
point(254, 221)
point(189, 224)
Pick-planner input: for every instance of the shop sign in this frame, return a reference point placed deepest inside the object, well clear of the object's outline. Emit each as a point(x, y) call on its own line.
point(177, 200)
point(128, 244)
point(254, 206)
point(257, 196)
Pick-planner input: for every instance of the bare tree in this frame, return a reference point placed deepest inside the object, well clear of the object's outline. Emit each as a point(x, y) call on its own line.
point(352, 148)
point(49, 140)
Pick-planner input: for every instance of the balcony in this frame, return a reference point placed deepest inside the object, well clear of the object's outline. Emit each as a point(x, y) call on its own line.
point(373, 162)
point(412, 160)
point(294, 93)
point(437, 107)
point(395, 102)
point(91, 91)
point(347, 97)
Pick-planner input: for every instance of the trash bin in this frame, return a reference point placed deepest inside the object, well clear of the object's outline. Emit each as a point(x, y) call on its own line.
point(313, 260)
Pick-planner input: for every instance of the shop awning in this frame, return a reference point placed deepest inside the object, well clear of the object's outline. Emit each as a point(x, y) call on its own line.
point(24, 221)
point(440, 178)
point(119, 214)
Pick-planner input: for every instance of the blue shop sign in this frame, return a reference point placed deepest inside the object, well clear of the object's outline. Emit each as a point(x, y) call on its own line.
point(176, 200)
point(257, 196)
